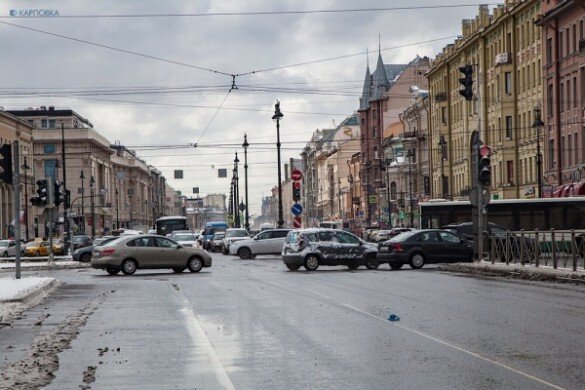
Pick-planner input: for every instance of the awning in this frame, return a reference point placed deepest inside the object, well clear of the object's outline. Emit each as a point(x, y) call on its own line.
point(579, 189)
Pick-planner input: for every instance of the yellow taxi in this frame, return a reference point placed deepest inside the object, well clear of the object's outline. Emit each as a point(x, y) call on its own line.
point(37, 248)
point(58, 247)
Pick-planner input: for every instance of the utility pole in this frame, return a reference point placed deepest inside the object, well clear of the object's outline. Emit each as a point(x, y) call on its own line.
point(66, 203)
point(16, 202)
point(26, 168)
point(247, 215)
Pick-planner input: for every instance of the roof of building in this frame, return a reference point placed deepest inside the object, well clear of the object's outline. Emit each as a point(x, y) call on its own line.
point(377, 84)
point(51, 112)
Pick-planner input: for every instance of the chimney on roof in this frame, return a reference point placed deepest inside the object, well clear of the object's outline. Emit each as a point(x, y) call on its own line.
point(43, 108)
point(51, 108)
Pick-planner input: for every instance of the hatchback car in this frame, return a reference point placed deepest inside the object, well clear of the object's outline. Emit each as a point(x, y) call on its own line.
point(8, 248)
point(314, 247)
point(186, 239)
point(144, 251)
point(264, 243)
point(420, 247)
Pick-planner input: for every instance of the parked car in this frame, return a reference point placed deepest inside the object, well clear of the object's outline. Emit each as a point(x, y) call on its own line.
point(216, 242)
point(266, 242)
point(144, 251)
point(186, 239)
point(314, 247)
point(80, 241)
point(383, 235)
point(58, 248)
point(420, 247)
point(8, 248)
point(84, 254)
point(37, 248)
point(232, 235)
point(369, 233)
point(177, 232)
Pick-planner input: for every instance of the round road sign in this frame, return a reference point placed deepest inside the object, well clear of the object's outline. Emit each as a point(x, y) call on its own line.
point(296, 209)
point(296, 175)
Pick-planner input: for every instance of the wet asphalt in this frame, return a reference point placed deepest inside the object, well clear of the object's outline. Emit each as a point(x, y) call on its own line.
point(255, 325)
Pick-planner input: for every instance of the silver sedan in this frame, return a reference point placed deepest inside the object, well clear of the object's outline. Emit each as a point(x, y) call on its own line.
point(147, 251)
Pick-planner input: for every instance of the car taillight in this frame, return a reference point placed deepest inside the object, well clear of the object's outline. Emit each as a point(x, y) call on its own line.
point(107, 251)
point(397, 247)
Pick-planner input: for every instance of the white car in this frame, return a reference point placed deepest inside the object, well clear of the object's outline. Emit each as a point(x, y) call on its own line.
point(268, 242)
point(233, 235)
point(8, 248)
point(186, 239)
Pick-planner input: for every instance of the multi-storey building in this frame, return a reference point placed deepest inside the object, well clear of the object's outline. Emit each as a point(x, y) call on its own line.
point(13, 129)
point(384, 97)
point(563, 33)
point(504, 51)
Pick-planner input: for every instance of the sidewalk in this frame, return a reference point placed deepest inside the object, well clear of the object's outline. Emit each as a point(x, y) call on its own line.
point(61, 262)
point(17, 295)
point(519, 271)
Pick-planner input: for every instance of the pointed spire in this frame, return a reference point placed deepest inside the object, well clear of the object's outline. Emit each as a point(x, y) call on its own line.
point(380, 78)
point(366, 93)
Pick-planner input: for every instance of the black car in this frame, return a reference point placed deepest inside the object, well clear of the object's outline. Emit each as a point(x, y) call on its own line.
point(81, 241)
point(84, 254)
point(314, 247)
point(420, 247)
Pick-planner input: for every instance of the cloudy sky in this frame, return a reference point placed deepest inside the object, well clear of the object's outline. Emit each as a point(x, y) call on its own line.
point(183, 95)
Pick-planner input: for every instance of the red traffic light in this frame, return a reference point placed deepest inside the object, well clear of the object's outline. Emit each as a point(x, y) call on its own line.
point(484, 151)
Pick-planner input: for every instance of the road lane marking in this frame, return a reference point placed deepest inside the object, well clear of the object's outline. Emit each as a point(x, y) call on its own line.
point(200, 339)
point(522, 373)
point(318, 294)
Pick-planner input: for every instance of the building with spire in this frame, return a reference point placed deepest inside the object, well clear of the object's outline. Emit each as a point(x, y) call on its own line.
point(385, 95)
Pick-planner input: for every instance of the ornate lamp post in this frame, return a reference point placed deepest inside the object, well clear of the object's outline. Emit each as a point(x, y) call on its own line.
point(409, 155)
point(25, 167)
point(443, 153)
point(82, 177)
point(247, 215)
point(92, 205)
point(538, 124)
point(236, 191)
point(277, 117)
point(117, 209)
point(386, 165)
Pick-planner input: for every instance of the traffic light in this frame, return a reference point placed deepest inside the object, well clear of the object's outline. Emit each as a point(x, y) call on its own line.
point(467, 82)
point(484, 170)
point(59, 194)
point(296, 191)
point(41, 199)
point(67, 199)
point(6, 163)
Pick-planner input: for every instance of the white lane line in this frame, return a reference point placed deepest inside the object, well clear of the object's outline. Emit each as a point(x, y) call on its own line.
point(522, 373)
point(202, 342)
point(318, 294)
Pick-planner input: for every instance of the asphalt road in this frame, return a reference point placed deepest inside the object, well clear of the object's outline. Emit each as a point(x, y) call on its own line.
point(255, 325)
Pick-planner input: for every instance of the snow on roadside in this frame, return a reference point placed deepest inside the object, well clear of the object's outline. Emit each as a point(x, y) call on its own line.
point(11, 288)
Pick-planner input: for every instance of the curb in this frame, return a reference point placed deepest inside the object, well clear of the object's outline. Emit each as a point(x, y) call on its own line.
point(517, 272)
point(40, 291)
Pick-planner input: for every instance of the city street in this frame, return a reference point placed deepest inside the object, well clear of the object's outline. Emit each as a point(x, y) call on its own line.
point(252, 324)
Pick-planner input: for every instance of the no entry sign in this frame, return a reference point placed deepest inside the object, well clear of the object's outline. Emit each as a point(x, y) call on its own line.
point(296, 175)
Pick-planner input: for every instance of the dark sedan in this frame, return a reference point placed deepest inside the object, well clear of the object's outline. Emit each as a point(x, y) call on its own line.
point(420, 247)
point(84, 254)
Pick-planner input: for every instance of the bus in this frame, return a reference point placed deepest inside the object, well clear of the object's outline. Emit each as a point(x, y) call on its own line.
point(167, 225)
point(210, 229)
point(515, 214)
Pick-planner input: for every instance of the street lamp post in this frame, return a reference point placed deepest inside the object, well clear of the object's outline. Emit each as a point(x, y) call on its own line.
point(92, 205)
point(117, 209)
point(443, 153)
point(387, 163)
point(277, 117)
point(82, 177)
point(247, 215)
point(25, 167)
point(409, 155)
point(538, 124)
point(231, 205)
point(237, 190)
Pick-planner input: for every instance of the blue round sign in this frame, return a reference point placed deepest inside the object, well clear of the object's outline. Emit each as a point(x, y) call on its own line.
point(296, 209)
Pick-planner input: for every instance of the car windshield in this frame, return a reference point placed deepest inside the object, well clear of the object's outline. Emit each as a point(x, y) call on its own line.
point(3, 243)
point(78, 239)
point(218, 236)
point(236, 233)
point(184, 237)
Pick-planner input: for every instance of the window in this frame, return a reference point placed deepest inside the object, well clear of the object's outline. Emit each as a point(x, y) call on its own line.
point(569, 154)
point(574, 38)
point(449, 238)
point(44, 123)
point(164, 243)
point(374, 132)
point(51, 123)
point(548, 50)
point(279, 233)
point(508, 83)
point(347, 238)
point(327, 236)
point(562, 97)
point(551, 153)
point(49, 149)
point(510, 169)
point(576, 149)
point(444, 115)
point(509, 127)
point(575, 92)
point(50, 170)
point(549, 101)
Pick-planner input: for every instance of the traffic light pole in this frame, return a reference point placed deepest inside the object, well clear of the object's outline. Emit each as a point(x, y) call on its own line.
point(49, 211)
point(66, 201)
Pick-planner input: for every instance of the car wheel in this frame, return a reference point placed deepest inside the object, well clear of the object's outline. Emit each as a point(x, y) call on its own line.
point(372, 262)
point(244, 253)
point(353, 266)
point(195, 264)
point(417, 260)
point(178, 269)
point(112, 271)
point(293, 267)
point(5, 254)
point(311, 262)
point(85, 258)
point(129, 267)
point(396, 266)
